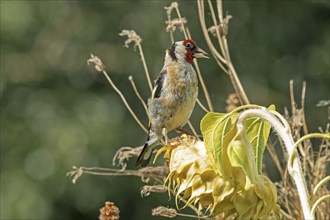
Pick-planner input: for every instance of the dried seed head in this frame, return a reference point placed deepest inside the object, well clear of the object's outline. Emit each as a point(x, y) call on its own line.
point(132, 37)
point(75, 174)
point(194, 177)
point(174, 23)
point(124, 154)
point(222, 27)
point(94, 60)
point(109, 212)
point(169, 9)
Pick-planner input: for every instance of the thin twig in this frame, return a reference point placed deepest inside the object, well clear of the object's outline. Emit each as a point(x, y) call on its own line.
point(192, 129)
point(138, 94)
point(293, 103)
point(99, 66)
point(124, 100)
point(202, 106)
point(132, 36)
point(303, 94)
point(217, 57)
point(145, 67)
point(201, 80)
point(180, 18)
point(145, 173)
point(217, 29)
point(274, 156)
point(223, 46)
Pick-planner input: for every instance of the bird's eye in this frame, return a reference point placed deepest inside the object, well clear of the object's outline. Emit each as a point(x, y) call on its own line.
point(188, 45)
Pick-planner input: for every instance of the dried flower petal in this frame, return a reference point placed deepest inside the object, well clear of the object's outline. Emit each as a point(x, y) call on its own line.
point(195, 176)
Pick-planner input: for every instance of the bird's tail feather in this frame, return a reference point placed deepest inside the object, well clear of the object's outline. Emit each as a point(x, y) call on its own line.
point(145, 155)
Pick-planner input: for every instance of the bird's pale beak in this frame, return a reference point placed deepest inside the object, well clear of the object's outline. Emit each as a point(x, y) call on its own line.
point(199, 53)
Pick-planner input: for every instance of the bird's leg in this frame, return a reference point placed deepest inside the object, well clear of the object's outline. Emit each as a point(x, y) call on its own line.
point(164, 132)
point(184, 131)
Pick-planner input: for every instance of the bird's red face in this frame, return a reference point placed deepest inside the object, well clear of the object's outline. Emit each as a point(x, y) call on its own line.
point(185, 50)
point(192, 51)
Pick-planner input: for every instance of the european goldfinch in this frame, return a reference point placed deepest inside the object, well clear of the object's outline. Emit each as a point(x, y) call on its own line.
point(174, 95)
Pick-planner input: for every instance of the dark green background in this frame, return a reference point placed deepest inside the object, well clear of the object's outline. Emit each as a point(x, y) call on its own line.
point(57, 112)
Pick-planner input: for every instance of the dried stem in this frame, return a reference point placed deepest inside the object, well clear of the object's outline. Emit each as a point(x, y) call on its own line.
point(275, 158)
point(224, 59)
point(134, 37)
point(216, 30)
point(146, 173)
point(192, 129)
point(305, 128)
point(124, 100)
point(201, 80)
point(99, 66)
point(138, 94)
point(218, 58)
point(202, 106)
point(145, 67)
point(293, 103)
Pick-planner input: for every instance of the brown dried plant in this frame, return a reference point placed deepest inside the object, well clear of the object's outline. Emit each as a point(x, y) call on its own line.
point(109, 212)
point(315, 159)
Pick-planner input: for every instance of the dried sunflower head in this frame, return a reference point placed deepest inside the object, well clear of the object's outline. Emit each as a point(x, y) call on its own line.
point(229, 185)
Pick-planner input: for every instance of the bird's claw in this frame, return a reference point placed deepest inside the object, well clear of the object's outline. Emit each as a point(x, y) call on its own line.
point(184, 131)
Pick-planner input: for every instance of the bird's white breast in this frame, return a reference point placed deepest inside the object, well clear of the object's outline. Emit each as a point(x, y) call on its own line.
point(184, 99)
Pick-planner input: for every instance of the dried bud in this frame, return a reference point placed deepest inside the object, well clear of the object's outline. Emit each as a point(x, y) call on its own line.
point(174, 5)
point(223, 27)
point(109, 212)
point(176, 22)
point(124, 154)
point(97, 62)
point(132, 37)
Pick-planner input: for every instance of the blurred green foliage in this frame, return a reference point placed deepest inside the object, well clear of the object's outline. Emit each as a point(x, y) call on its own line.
point(57, 112)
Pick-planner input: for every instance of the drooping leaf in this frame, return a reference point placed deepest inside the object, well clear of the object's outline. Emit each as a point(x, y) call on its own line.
point(258, 131)
point(238, 157)
point(214, 127)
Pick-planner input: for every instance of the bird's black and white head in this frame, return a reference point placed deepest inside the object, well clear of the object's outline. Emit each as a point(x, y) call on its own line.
point(186, 51)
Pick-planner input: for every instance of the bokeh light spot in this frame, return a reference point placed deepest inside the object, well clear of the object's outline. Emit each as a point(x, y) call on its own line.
point(39, 164)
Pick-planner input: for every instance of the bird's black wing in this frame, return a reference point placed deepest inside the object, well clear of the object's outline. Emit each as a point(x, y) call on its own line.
point(159, 84)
